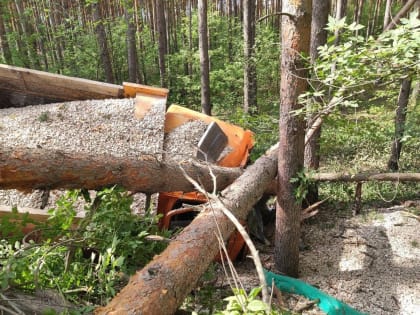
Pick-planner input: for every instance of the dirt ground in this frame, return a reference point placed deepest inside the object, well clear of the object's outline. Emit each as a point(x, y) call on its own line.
point(370, 261)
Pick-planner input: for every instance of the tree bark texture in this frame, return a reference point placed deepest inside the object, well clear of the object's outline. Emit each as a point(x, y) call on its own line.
point(162, 285)
point(28, 169)
point(366, 177)
point(387, 14)
point(396, 19)
point(131, 46)
point(204, 57)
point(3, 38)
point(162, 41)
point(400, 118)
point(340, 12)
point(103, 44)
point(250, 74)
point(296, 33)
point(320, 12)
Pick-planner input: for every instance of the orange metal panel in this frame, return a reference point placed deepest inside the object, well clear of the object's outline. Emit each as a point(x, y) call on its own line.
point(241, 141)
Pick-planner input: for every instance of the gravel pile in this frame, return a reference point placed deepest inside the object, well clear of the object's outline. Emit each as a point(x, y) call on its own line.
point(14, 197)
point(90, 127)
point(181, 143)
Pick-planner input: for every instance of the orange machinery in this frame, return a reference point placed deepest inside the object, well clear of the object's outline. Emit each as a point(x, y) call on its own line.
point(171, 204)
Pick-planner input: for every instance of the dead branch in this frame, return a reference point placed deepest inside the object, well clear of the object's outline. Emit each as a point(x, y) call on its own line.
point(364, 177)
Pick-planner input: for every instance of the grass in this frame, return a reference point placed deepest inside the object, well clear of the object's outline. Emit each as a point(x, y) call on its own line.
point(44, 116)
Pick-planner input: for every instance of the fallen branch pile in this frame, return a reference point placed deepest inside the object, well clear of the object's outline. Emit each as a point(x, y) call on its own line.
point(162, 285)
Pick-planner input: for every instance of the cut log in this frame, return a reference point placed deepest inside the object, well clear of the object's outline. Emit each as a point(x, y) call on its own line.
point(92, 144)
point(27, 169)
point(365, 177)
point(162, 285)
point(360, 177)
point(22, 87)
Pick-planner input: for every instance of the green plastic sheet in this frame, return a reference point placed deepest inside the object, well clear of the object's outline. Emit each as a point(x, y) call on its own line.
point(327, 303)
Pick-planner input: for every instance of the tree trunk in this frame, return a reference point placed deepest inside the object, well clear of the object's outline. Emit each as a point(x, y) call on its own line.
point(250, 75)
point(395, 20)
point(26, 169)
point(162, 41)
point(320, 12)
point(190, 40)
point(3, 38)
point(365, 177)
point(162, 285)
point(204, 57)
point(295, 42)
point(358, 13)
point(131, 46)
point(400, 118)
point(103, 43)
point(21, 45)
point(340, 12)
point(230, 31)
point(387, 14)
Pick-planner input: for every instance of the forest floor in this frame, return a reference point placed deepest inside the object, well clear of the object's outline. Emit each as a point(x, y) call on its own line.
point(370, 261)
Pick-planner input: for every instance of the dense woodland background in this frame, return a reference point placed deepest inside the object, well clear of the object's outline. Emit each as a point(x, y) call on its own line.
point(157, 43)
point(224, 57)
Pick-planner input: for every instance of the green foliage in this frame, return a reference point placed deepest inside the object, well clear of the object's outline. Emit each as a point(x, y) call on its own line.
point(301, 183)
point(44, 117)
point(264, 126)
point(113, 217)
point(12, 224)
point(249, 304)
point(88, 263)
point(347, 73)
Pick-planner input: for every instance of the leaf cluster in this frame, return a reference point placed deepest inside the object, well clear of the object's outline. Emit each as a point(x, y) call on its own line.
point(85, 261)
point(247, 303)
point(348, 73)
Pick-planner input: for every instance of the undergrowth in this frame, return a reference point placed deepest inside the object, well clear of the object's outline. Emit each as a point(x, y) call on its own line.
point(86, 261)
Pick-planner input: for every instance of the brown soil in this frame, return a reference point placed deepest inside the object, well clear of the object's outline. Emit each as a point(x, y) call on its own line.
point(371, 261)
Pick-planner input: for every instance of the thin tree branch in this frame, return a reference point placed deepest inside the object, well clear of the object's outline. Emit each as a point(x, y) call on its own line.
point(275, 14)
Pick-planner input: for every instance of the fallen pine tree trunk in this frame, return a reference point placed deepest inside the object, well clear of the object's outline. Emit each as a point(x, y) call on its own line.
point(364, 177)
point(162, 285)
point(27, 169)
point(359, 177)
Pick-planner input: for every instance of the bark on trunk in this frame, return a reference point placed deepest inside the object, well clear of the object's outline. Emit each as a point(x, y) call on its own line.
point(387, 14)
point(400, 118)
point(250, 75)
point(162, 41)
point(295, 41)
point(131, 46)
point(320, 12)
point(365, 177)
point(396, 19)
point(103, 44)
point(340, 12)
point(3, 38)
point(161, 286)
point(27, 169)
point(204, 57)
